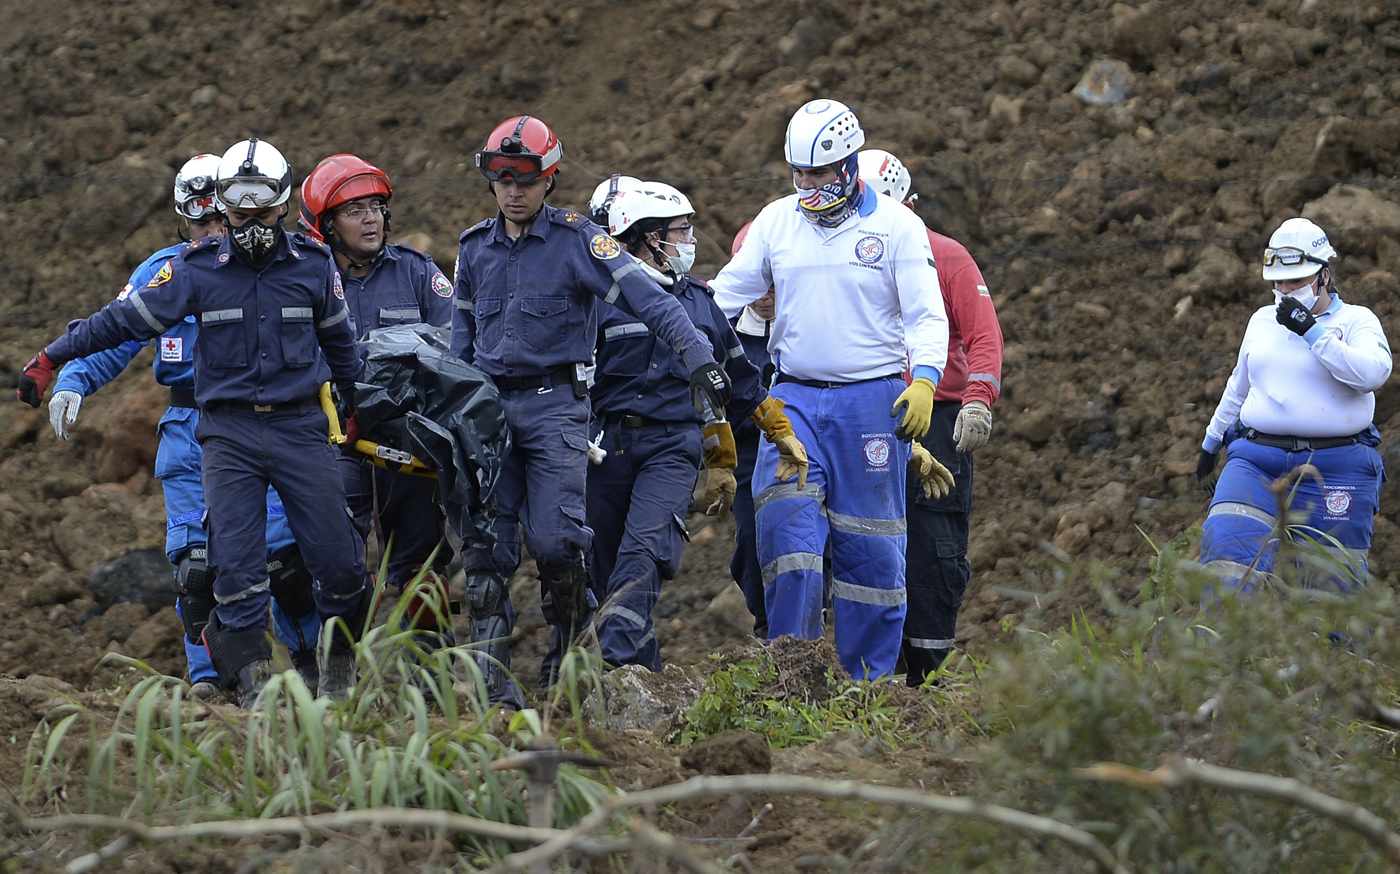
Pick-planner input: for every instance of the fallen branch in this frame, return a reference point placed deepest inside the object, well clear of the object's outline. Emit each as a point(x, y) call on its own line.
point(1377, 712)
point(753, 783)
point(1180, 771)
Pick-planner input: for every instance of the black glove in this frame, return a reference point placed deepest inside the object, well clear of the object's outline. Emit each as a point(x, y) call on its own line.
point(708, 382)
point(1205, 464)
point(1294, 316)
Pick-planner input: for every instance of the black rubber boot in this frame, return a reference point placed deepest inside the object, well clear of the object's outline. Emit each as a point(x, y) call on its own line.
point(243, 658)
point(335, 654)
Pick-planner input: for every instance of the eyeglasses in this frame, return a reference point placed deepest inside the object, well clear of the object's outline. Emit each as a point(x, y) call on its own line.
point(687, 232)
point(362, 212)
point(1289, 256)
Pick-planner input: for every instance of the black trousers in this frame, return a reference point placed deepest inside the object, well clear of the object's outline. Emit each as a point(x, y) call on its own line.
point(938, 571)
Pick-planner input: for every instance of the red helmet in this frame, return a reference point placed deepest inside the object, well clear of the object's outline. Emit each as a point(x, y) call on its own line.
point(739, 239)
point(336, 180)
point(523, 148)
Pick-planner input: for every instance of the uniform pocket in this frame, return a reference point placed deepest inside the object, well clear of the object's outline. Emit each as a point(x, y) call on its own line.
point(224, 339)
point(490, 326)
point(626, 349)
point(546, 320)
point(404, 312)
point(298, 337)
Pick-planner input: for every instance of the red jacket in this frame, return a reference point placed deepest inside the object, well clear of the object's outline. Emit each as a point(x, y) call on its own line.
point(974, 335)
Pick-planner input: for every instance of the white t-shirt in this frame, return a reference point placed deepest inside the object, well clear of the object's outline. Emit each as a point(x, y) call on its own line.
point(1321, 385)
point(849, 299)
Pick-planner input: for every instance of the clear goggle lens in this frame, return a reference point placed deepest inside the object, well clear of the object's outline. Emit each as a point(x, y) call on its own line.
point(1288, 256)
point(198, 207)
point(250, 192)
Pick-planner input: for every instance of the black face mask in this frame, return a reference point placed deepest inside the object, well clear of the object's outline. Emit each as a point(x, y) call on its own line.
point(256, 242)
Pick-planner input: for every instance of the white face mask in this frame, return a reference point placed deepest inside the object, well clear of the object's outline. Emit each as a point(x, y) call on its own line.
point(1307, 295)
point(681, 262)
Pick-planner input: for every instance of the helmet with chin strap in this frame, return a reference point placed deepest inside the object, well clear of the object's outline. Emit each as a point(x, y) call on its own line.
point(1297, 249)
point(194, 188)
point(253, 175)
point(523, 148)
point(826, 133)
point(338, 180)
point(605, 193)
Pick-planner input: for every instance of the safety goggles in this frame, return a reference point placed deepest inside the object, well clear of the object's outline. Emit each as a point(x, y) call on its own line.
point(496, 165)
point(250, 192)
point(198, 207)
point(1289, 256)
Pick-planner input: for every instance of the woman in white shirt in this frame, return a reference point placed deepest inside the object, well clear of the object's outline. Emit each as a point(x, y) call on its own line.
point(1302, 392)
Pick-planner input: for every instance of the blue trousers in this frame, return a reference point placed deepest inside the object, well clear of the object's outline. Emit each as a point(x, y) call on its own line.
point(244, 452)
point(855, 498)
point(179, 460)
point(405, 508)
point(938, 570)
point(744, 566)
point(637, 501)
point(541, 491)
point(1239, 529)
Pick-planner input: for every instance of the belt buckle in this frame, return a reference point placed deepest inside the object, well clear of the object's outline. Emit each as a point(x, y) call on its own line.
point(264, 408)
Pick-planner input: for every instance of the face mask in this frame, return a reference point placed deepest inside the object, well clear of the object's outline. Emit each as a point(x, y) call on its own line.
point(1307, 295)
point(256, 241)
point(827, 206)
point(684, 259)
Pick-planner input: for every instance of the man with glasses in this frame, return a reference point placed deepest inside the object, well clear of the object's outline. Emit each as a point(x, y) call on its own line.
point(273, 327)
point(178, 460)
point(1302, 392)
point(639, 495)
point(526, 314)
point(345, 204)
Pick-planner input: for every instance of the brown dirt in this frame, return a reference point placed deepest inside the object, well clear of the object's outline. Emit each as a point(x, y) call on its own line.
point(1116, 239)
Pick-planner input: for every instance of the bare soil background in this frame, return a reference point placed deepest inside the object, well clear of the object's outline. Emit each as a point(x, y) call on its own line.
point(1119, 241)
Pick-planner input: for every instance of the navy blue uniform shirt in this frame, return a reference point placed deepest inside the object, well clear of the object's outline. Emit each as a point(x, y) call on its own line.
point(526, 307)
point(639, 376)
point(403, 287)
point(264, 338)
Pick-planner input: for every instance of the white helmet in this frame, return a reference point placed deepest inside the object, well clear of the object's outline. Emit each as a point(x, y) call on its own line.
point(254, 175)
point(1298, 248)
point(194, 188)
point(822, 132)
point(605, 192)
point(647, 200)
point(885, 173)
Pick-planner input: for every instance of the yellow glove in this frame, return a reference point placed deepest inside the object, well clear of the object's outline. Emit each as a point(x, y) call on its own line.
point(720, 489)
point(936, 479)
point(917, 401)
point(719, 446)
point(792, 455)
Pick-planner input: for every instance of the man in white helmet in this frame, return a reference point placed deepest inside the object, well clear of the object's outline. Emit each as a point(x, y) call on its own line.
point(1302, 392)
point(273, 327)
point(961, 424)
point(856, 292)
point(178, 460)
point(638, 496)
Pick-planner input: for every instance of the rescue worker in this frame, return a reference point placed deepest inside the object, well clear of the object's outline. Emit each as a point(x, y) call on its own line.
point(1302, 392)
point(273, 328)
point(961, 423)
point(753, 326)
point(855, 285)
point(639, 495)
point(345, 204)
point(526, 314)
point(178, 460)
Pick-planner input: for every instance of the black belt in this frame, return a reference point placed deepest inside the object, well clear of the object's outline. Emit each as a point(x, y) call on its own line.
point(819, 383)
point(628, 421)
point(558, 376)
point(182, 397)
point(241, 407)
point(1297, 444)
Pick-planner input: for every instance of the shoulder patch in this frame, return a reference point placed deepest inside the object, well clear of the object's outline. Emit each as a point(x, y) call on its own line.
point(604, 248)
point(337, 286)
point(125, 292)
point(160, 278)
point(441, 287)
point(568, 217)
